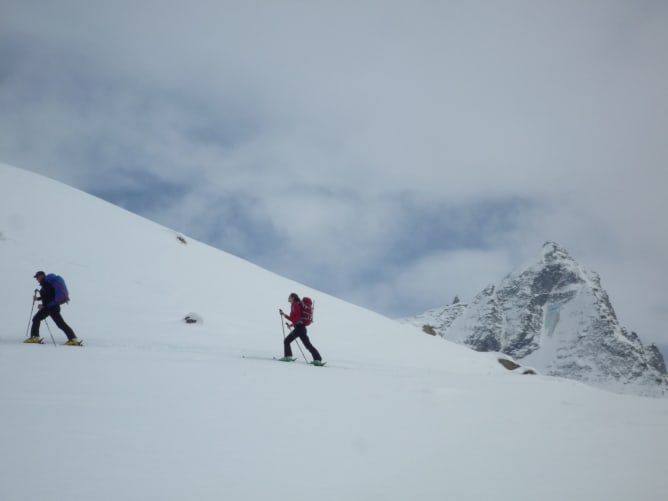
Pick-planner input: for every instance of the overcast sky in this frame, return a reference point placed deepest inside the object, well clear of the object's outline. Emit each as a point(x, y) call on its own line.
point(391, 153)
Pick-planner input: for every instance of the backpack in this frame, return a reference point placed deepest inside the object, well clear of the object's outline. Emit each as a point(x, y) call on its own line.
point(307, 311)
point(61, 293)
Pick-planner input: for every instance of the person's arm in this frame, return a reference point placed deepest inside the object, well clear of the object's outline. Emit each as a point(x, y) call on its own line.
point(43, 296)
point(48, 294)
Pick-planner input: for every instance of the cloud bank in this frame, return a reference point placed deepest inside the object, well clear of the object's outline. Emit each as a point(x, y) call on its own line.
point(391, 153)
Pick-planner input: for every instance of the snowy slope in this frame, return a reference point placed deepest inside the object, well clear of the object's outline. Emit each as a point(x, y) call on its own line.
point(155, 409)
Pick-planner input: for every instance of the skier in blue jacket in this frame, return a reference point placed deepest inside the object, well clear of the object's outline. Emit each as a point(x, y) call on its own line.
point(52, 296)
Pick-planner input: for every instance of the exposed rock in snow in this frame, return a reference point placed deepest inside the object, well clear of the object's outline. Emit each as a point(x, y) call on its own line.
point(193, 318)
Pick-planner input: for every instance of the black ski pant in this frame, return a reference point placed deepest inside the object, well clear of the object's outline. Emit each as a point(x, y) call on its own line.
point(300, 332)
point(53, 312)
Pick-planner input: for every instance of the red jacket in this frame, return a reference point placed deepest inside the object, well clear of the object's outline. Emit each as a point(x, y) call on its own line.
point(295, 313)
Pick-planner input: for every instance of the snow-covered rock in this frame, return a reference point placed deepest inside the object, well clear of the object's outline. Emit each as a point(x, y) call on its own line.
point(439, 319)
point(554, 315)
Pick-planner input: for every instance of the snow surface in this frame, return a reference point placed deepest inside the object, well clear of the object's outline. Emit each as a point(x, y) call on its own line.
point(153, 408)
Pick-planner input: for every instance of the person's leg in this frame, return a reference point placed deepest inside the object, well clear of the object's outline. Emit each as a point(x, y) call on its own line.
point(307, 343)
point(36, 320)
point(58, 319)
point(287, 350)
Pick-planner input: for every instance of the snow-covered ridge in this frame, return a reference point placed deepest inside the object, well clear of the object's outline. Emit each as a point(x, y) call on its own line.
point(131, 268)
point(554, 314)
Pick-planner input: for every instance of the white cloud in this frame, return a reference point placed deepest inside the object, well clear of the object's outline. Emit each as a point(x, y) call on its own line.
point(316, 137)
point(434, 280)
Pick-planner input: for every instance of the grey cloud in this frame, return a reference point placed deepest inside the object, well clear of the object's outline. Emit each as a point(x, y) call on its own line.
point(314, 137)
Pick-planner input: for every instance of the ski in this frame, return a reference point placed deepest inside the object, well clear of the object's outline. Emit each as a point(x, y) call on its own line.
point(31, 341)
point(276, 359)
point(41, 341)
point(256, 357)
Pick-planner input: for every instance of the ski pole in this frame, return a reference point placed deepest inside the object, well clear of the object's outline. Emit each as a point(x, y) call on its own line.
point(49, 329)
point(282, 326)
point(300, 349)
point(31, 310)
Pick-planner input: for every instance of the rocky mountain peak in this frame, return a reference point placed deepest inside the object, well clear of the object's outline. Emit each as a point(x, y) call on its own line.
point(552, 251)
point(555, 315)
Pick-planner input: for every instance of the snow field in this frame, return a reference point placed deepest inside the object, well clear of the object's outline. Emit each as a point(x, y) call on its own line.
point(117, 423)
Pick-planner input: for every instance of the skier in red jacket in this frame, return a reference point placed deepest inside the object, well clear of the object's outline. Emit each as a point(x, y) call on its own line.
point(299, 331)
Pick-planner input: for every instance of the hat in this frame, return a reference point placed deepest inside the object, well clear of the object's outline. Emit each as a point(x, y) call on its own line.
point(39, 273)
